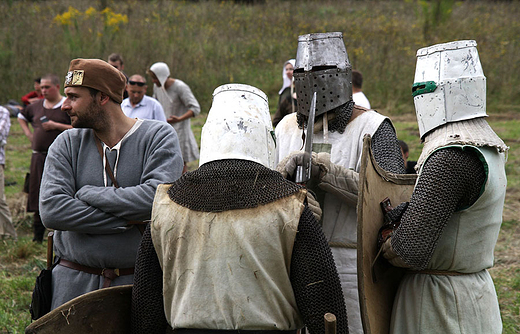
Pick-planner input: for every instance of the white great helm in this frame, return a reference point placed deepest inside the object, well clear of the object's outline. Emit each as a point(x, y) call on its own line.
point(238, 126)
point(449, 85)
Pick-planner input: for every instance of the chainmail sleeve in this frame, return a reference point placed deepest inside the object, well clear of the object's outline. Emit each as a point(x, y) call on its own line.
point(314, 277)
point(386, 150)
point(451, 179)
point(147, 300)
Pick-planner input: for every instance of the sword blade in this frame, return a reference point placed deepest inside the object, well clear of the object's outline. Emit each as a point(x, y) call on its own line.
point(303, 173)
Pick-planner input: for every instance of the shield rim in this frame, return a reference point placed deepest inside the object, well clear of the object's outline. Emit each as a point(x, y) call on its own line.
point(70, 316)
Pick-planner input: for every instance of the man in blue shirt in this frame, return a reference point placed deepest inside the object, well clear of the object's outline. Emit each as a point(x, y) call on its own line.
point(138, 104)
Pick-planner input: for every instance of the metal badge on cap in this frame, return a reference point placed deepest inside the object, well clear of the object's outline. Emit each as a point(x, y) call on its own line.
point(75, 77)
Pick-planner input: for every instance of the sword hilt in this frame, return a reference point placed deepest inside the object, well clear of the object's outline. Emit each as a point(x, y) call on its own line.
point(303, 173)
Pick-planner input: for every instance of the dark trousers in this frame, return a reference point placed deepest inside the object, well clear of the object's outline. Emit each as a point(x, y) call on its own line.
point(39, 229)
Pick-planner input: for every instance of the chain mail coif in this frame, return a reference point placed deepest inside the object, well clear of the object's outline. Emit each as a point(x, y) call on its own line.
point(230, 184)
point(342, 115)
point(451, 179)
point(386, 150)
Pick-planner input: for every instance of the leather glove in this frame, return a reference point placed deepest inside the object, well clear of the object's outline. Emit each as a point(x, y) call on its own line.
point(337, 180)
point(313, 205)
point(332, 178)
point(394, 215)
point(392, 220)
point(287, 167)
point(390, 255)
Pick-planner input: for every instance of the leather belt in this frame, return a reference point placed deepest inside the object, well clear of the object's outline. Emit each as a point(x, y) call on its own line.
point(109, 274)
point(350, 245)
point(437, 272)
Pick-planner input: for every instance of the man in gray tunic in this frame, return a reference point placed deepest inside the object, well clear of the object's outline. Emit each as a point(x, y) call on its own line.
point(179, 106)
point(99, 180)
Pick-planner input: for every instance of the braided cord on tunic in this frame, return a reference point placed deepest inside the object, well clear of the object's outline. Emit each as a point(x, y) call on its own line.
point(451, 178)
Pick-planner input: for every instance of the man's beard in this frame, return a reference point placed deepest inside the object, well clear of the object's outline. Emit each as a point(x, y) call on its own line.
point(93, 117)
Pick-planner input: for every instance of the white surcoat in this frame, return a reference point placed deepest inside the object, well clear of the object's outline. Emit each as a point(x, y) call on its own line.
point(204, 254)
point(339, 219)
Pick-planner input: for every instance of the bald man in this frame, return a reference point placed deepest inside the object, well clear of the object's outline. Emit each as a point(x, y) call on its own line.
point(138, 104)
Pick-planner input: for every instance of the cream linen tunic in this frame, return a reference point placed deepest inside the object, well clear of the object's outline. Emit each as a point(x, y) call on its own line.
point(177, 100)
point(459, 304)
point(214, 264)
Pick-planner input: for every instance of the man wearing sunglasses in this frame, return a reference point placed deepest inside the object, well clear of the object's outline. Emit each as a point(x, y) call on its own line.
point(138, 104)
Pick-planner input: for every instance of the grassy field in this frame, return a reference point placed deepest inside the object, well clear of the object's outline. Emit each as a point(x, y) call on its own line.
point(250, 46)
point(21, 261)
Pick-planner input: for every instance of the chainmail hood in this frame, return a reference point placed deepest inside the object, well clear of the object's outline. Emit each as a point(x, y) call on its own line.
point(341, 118)
point(475, 132)
point(224, 185)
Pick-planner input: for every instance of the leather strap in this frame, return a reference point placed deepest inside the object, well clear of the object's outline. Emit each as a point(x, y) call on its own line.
point(141, 226)
point(107, 165)
point(437, 272)
point(343, 245)
point(108, 273)
point(356, 111)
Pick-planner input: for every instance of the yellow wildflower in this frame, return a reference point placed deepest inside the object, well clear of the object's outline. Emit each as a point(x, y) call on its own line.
point(91, 11)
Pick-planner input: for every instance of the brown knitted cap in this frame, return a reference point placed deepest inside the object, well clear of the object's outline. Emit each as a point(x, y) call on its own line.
point(96, 74)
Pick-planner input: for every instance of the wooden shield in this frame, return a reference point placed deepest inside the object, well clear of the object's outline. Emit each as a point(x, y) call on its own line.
point(101, 311)
point(377, 280)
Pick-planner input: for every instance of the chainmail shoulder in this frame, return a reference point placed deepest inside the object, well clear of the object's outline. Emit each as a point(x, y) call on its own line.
point(451, 179)
point(386, 150)
point(147, 298)
point(231, 184)
point(341, 118)
point(314, 277)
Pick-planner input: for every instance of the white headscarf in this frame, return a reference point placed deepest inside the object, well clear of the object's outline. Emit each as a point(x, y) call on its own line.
point(286, 81)
point(162, 72)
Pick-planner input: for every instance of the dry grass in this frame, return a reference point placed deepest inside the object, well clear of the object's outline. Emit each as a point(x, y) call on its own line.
point(252, 42)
